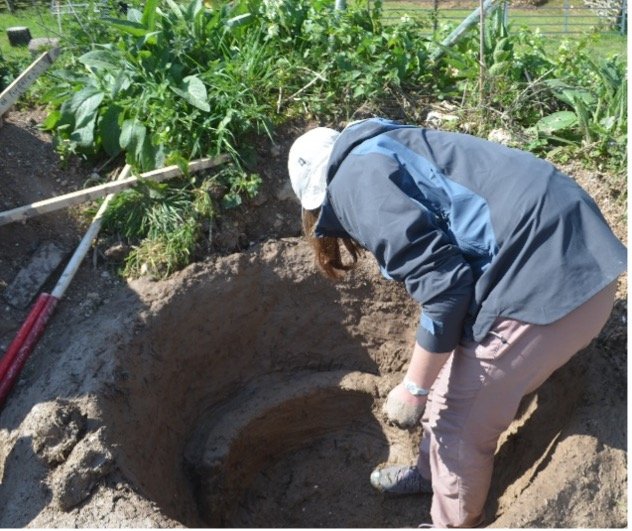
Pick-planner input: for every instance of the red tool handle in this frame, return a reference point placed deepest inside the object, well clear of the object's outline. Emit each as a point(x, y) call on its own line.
point(21, 347)
point(15, 345)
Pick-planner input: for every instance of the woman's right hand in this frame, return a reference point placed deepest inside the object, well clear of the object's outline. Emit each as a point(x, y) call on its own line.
point(403, 409)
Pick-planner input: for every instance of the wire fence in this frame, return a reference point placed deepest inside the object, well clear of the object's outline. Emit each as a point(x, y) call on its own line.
point(564, 17)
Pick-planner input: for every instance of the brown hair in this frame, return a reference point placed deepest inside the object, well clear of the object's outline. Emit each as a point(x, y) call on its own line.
point(327, 249)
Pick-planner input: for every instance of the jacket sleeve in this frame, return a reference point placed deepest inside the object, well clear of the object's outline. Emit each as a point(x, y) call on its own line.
point(406, 239)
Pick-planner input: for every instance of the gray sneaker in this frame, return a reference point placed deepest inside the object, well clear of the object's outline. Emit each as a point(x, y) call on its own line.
point(400, 480)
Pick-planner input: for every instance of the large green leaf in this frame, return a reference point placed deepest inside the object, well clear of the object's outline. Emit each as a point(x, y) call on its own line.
point(132, 135)
point(110, 130)
point(84, 135)
point(85, 119)
point(101, 59)
point(499, 69)
point(175, 8)
point(148, 154)
point(194, 91)
point(87, 110)
point(567, 93)
point(128, 26)
point(149, 14)
point(556, 122)
point(119, 84)
point(69, 107)
point(193, 9)
point(137, 143)
point(51, 121)
point(79, 114)
point(135, 15)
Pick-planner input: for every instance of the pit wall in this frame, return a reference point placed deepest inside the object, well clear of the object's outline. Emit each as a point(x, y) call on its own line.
point(213, 332)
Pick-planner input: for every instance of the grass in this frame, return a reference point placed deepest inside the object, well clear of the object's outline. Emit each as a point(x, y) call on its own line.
point(39, 20)
point(551, 18)
point(604, 44)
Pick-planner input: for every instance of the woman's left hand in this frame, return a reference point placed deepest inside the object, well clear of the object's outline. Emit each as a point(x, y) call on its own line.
point(402, 408)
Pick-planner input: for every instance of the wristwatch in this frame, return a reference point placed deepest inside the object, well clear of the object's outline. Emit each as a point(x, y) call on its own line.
point(414, 389)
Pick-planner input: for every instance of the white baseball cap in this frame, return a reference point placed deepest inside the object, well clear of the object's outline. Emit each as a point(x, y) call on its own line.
point(307, 165)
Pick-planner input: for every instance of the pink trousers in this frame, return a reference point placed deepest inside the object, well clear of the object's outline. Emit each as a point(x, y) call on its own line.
point(477, 395)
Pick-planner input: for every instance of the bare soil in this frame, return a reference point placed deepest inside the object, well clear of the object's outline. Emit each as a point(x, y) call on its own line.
point(245, 391)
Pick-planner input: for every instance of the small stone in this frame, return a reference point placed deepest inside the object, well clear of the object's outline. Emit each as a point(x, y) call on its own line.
point(41, 44)
point(116, 252)
point(501, 136)
point(286, 193)
point(436, 119)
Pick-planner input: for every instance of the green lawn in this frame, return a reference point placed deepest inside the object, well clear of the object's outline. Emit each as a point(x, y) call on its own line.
point(551, 19)
point(40, 21)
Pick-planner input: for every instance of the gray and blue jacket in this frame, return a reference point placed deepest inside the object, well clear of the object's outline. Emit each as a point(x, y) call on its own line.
point(474, 230)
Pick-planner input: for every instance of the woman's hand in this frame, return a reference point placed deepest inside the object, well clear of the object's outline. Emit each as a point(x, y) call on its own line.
point(402, 408)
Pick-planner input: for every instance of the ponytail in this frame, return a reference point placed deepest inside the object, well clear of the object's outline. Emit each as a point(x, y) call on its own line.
point(327, 251)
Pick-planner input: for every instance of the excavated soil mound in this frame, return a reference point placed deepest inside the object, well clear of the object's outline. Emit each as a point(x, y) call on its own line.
point(246, 391)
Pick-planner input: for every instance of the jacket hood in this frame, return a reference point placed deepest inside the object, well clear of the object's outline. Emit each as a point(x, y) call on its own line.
point(353, 135)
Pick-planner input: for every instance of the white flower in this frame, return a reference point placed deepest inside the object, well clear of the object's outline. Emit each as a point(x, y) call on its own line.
point(273, 31)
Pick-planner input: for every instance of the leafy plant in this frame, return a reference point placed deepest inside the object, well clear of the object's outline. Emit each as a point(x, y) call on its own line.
point(6, 73)
point(10, 69)
point(559, 101)
point(593, 121)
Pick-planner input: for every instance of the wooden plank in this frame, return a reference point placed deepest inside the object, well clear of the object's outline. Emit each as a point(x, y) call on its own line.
point(88, 194)
point(31, 278)
point(11, 94)
point(85, 243)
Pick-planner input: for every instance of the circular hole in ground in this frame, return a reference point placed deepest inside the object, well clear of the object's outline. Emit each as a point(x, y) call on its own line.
point(241, 366)
point(249, 396)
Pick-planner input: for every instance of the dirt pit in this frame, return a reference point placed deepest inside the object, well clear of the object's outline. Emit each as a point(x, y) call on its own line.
point(248, 392)
point(258, 382)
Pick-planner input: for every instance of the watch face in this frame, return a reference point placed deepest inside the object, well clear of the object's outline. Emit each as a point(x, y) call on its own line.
point(414, 389)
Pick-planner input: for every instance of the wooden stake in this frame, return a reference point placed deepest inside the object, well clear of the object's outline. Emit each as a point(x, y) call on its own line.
point(88, 194)
point(481, 56)
point(19, 36)
point(11, 94)
point(85, 243)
